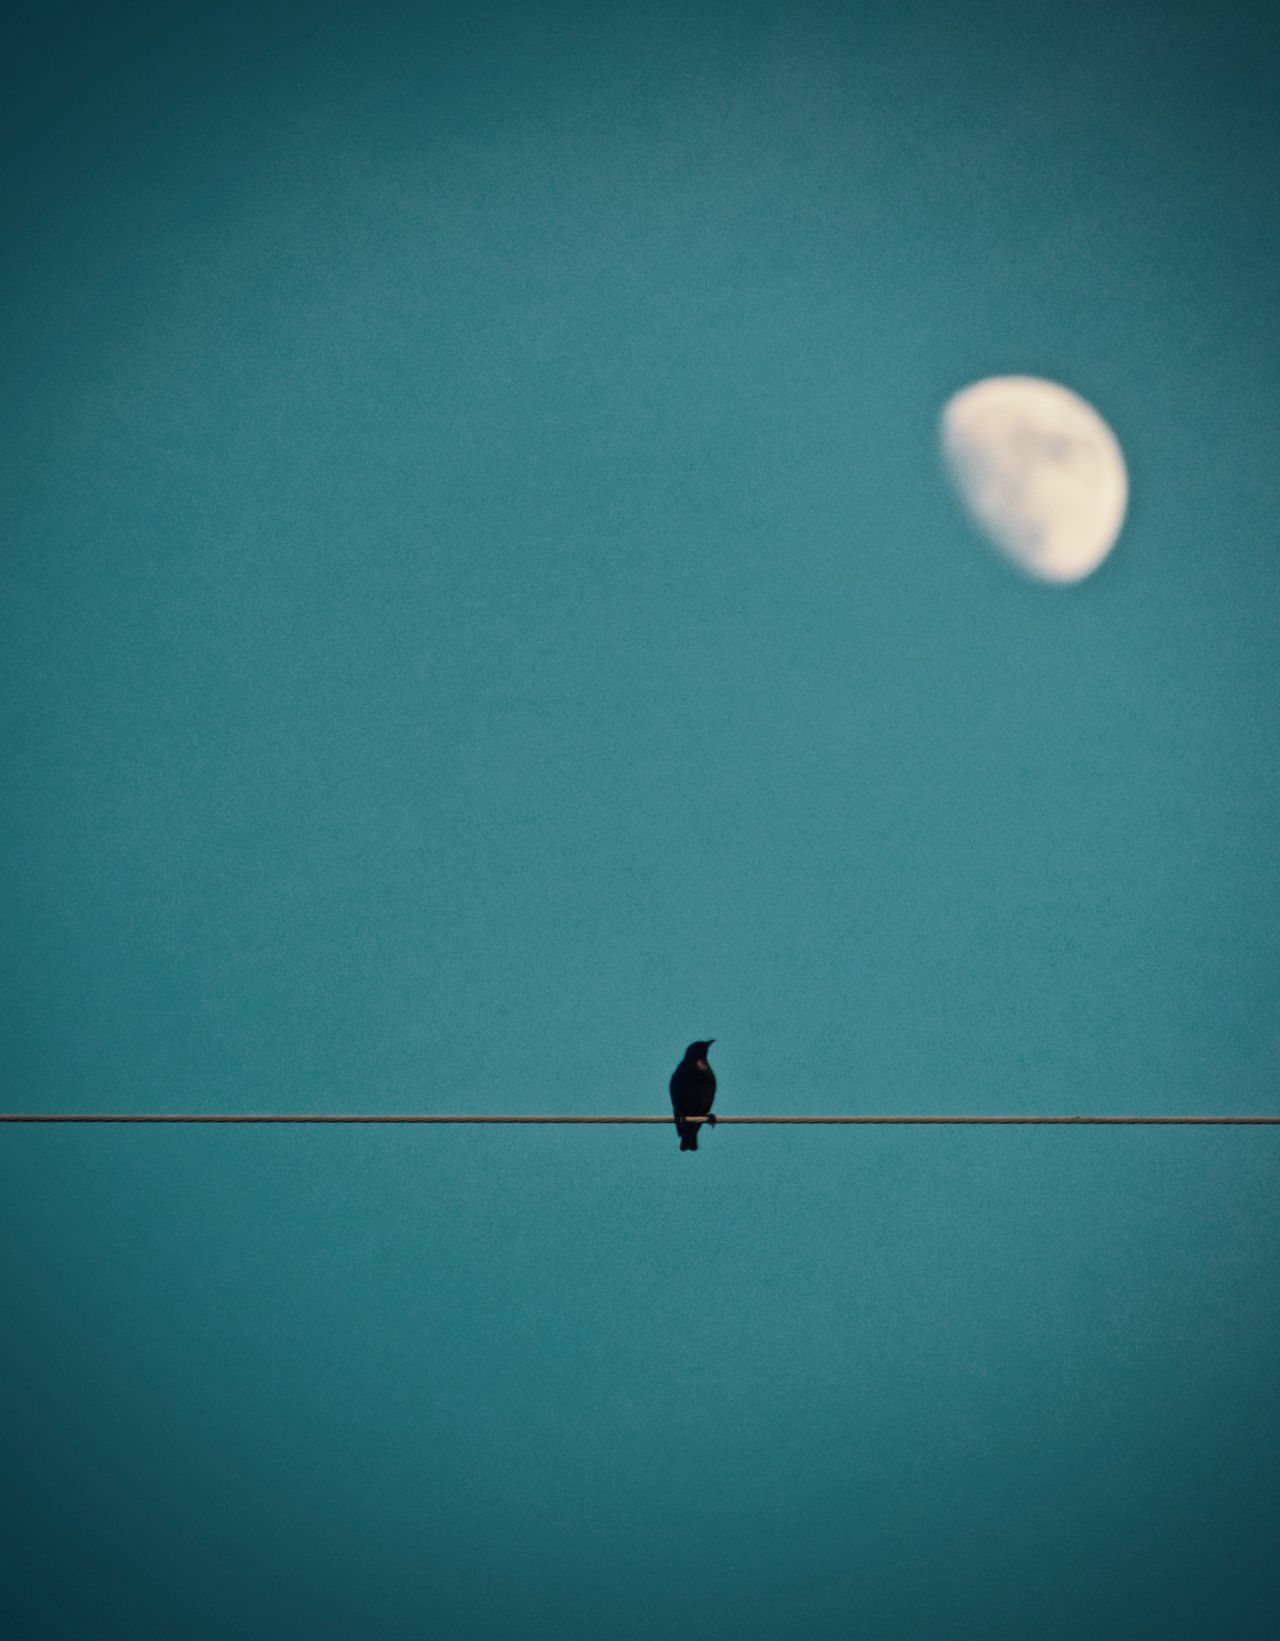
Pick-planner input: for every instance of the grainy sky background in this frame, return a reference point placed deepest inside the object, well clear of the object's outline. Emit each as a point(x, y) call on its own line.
point(481, 609)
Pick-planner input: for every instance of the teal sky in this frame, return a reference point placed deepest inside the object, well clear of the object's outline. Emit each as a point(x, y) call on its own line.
point(482, 609)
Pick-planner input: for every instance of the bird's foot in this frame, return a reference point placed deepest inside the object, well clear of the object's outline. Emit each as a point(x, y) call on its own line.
point(711, 1121)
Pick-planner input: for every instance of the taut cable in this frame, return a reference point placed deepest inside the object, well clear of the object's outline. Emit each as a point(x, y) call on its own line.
point(416, 1118)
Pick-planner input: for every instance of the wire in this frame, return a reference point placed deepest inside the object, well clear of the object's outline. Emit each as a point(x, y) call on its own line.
point(869, 1121)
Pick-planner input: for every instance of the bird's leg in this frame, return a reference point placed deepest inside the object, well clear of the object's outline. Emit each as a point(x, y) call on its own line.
point(710, 1119)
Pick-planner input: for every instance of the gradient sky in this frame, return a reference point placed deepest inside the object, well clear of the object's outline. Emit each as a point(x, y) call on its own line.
point(482, 608)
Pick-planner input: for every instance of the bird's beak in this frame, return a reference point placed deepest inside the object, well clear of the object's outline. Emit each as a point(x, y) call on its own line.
point(710, 1040)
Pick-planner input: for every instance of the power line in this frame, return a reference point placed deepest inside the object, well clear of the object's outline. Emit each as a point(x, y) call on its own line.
point(418, 1118)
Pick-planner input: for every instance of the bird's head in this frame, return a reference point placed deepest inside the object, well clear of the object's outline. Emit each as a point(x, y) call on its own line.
point(698, 1051)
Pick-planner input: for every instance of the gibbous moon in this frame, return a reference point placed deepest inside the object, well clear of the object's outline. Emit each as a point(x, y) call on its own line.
point(1040, 473)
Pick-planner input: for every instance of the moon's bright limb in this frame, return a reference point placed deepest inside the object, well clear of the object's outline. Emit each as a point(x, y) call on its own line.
point(1040, 472)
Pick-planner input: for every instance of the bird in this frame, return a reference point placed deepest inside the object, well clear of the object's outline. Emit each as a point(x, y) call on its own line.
point(693, 1088)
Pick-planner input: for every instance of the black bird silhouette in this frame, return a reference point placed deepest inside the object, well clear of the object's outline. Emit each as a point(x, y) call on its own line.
point(693, 1089)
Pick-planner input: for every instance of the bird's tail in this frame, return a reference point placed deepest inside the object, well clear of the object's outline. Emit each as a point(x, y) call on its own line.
point(689, 1137)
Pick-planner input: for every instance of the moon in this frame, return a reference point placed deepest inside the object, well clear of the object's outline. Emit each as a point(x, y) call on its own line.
point(1039, 472)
